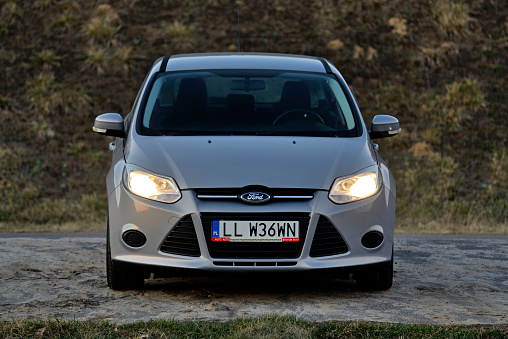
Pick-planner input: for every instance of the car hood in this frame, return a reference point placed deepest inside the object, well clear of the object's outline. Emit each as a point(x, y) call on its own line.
point(238, 161)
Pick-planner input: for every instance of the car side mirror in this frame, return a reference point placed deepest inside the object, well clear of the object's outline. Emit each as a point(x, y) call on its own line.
point(109, 124)
point(384, 126)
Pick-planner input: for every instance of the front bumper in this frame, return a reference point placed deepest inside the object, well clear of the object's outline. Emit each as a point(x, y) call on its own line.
point(156, 220)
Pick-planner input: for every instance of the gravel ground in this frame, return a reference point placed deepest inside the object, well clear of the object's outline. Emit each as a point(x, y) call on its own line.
point(438, 280)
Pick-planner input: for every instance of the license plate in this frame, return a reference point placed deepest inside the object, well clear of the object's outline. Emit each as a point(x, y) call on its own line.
point(255, 231)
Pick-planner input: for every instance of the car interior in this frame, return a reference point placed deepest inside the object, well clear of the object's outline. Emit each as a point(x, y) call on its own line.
point(242, 105)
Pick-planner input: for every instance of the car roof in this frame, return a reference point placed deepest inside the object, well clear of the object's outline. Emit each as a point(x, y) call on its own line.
point(241, 60)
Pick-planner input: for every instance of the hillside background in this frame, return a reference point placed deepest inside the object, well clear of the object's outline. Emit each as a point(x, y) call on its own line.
point(440, 67)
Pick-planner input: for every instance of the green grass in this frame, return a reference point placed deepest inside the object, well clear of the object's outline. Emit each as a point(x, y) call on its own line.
point(264, 327)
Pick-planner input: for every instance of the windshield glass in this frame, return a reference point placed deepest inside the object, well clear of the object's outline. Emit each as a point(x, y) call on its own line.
point(247, 102)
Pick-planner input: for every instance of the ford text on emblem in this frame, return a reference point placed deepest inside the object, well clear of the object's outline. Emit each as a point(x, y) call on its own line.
point(255, 197)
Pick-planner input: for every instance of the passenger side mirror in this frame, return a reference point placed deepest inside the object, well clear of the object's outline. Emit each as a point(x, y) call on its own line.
point(384, 126)
point(109, 124)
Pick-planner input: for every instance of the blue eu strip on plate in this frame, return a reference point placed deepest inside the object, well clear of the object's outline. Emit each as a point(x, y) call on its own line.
point(215, 229)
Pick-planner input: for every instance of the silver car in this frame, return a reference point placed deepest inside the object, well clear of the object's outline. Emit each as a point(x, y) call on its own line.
point(235, 162)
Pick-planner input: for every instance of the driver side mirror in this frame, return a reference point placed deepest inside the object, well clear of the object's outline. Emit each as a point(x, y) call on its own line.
point(109, 124)
point(384, 126)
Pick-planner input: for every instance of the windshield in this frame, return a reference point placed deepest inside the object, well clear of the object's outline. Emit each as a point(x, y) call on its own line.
point(247, 102)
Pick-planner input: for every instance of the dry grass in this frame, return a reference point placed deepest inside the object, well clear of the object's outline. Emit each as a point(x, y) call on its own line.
point(42, 130)
point(97, 29)
point(499, 169)
point(65, 21)
point(47, 59)
point(97, 58)
point(104, 24)
point(399, 26)
point(48, 97)
point(451, 228)
point(449, 162)
point(181, 36)
point(5, 102)
point(122, 59)
point(68, 227)
point(335, 45)
point(39, 92)
point(452, 17)
point(443, 55)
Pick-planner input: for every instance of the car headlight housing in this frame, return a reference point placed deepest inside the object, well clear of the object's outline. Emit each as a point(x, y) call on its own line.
point(151, 186)
point(356, 187)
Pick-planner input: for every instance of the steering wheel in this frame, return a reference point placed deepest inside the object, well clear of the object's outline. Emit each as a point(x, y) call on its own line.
point(298, 113)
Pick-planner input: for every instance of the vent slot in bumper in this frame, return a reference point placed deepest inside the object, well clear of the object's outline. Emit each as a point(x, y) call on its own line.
point(182, 240)
point(327, 240)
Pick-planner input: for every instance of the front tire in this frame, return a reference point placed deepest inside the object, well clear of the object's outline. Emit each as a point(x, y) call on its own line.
point(379, 277)
point(120, 277)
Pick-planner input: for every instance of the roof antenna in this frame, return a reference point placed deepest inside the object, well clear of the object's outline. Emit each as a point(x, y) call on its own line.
point(239, 40)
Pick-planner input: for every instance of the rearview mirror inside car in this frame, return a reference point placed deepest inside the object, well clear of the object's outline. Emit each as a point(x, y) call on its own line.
point(248, 85)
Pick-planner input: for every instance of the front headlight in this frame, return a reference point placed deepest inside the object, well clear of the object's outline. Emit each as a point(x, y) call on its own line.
point(359, 186)
point(150, 186)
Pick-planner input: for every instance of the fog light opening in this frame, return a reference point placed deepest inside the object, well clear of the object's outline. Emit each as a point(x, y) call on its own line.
point(134, 238)
point(372, 239)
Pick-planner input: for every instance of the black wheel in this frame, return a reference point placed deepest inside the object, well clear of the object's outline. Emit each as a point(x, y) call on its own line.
point(120, 277)
point(299, 113)
point(379, 277)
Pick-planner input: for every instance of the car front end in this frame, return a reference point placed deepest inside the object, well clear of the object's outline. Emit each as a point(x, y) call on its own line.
point(304, 191)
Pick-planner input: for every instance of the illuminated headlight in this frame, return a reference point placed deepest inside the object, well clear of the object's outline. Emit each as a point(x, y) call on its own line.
point(150, 186)
point(356, 187)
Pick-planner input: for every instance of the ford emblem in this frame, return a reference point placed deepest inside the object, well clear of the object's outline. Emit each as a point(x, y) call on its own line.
point(255, 197)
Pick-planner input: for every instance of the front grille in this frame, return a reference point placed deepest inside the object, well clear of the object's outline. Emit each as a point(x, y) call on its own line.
point(182, 240)
point(277, 193)
point(255, 250)
point(327, 240)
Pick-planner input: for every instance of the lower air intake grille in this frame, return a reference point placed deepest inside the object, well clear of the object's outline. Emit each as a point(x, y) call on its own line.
point(327, 240)
point(257, 264)
point(182, 240)
point(255, 250)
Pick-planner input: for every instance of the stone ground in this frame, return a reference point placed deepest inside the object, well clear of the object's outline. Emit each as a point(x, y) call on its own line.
point(438, 280)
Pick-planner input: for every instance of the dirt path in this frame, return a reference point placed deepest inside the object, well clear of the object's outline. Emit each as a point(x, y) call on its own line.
point(438, 280)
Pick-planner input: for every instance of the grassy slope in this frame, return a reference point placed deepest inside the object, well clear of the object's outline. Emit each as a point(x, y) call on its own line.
point(440, 67)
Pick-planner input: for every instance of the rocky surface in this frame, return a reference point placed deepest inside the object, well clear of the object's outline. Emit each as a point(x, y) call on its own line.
point(438, 280)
